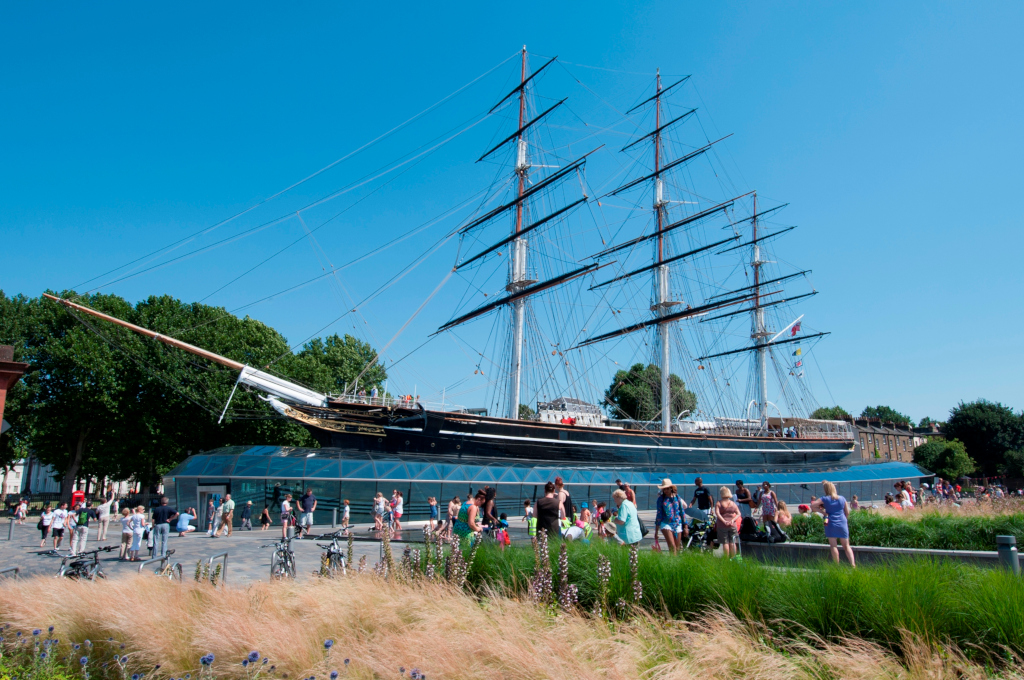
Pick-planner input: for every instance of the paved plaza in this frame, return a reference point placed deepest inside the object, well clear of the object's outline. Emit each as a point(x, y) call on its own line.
point(247, 561)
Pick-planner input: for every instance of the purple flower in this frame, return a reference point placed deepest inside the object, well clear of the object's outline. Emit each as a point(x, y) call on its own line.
point(254, 656)
point(346, 661)
point(50, 629)
point(42, 655)
point(36, 631)
point(135, 676)
point(84, 660)
point(245, 663)
point(124, 660)
point(327, 643)
point(334, 675)
point(78, 646)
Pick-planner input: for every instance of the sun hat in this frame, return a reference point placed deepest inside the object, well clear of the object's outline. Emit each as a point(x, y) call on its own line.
point(665, 483)
point(585, 505)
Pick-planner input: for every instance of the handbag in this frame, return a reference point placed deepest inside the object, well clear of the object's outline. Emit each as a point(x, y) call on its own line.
point(40, 525)
point(643, 527)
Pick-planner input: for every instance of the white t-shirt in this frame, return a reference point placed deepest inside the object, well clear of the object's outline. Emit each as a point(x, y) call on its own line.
point(47, 518)
point(126, 524)
point(573, 533)
point(286, 507)
point(344, 512)
point(398, 506)
point(59, 517)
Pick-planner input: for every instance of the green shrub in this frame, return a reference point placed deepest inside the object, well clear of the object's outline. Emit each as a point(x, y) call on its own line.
point(931, 531)
point(977, 609)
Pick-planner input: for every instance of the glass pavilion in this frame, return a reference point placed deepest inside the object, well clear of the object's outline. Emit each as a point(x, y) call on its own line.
point(263, 474)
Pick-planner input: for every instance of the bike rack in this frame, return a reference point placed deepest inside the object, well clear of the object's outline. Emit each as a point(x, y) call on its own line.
point(8, 570)
point(10, 530)
point(162, 560)
point(224, 570)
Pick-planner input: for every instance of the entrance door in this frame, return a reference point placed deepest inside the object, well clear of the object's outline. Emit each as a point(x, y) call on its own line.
point(214, 491)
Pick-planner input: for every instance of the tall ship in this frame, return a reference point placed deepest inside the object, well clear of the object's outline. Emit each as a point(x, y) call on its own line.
point(662, 262)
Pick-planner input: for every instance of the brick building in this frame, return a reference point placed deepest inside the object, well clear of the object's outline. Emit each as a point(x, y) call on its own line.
point(892, 441)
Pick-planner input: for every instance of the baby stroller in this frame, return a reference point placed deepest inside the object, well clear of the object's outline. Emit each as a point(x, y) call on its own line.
point(702, 529)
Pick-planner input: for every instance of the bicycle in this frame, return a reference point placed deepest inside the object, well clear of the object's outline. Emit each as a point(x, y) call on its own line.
point(333, 561)
point(169, 571)
point(282, 562)
point(79, 567)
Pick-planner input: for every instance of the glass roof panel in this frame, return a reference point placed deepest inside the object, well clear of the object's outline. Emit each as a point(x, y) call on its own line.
point(259, 450)
point(454, 473)
point(218, 466)
point(286, 467)
point(251, 466)
point(395, 472)
point(356, 469)
point(325, 469)
point(537, 476)
point(423, 471)
point(384, 468)
point(512, 474)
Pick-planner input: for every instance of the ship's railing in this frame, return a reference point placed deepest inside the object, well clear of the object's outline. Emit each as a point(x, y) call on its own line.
point(398, 402)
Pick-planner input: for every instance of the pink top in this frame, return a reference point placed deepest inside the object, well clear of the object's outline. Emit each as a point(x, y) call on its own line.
point(727, 514)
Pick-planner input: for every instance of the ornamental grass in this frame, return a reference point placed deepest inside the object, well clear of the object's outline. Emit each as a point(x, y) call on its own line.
point(416, 628)
point(938, 602)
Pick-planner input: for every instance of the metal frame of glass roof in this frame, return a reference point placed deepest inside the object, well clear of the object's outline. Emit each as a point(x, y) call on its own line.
point(282, 462)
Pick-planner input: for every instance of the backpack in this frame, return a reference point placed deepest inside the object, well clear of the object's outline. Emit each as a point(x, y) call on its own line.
point(750, 533)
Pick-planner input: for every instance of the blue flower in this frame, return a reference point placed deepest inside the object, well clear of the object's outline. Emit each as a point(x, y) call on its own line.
point(42, 655)
point(156, 667)
point(122, 646)
point(84, 660)
point(36, 631)
point(254, 656)
point(78, 646)
point(245, 663)
point(327, 643)
point(334, 675)
point(50, 629)
point(188, 676)
point(346, 661)
point(124, 660)
point(401, 669)
point(19, 633)
point(265, 661)
point(135, 676)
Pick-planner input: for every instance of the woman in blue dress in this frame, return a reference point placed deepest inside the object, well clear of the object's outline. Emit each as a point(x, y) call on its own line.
point(837, 527)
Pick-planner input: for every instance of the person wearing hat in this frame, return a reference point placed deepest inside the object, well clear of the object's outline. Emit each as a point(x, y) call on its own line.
point(247, 516)
point(669, 518)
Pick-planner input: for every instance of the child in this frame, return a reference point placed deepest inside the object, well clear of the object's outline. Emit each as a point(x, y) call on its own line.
point(855, 505)
point(585, 516)
point(527, 511)
point(501, 535)
point(435, 513)
point(345, 515)
point(727, 522)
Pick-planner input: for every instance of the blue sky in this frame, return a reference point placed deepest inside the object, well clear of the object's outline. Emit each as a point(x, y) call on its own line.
point(892, 129)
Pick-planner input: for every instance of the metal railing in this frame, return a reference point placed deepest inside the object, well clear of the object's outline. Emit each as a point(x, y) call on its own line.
point(224, 568)
point(161, 560)
point(8, 570)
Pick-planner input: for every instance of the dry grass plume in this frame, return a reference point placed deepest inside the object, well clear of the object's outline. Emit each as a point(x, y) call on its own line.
point(383, 626)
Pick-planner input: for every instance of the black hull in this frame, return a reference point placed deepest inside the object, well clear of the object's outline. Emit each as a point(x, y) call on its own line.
point(450, 435)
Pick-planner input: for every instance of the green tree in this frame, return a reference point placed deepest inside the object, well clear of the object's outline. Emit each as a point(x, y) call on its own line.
point(100, 400)
point(636, 393)
point(989, 430)
point(885, 414)
point(830, 413)
point(525, 412)
point(947, 459)
point(1014, 463)
point(926, 421)
point(15, 316)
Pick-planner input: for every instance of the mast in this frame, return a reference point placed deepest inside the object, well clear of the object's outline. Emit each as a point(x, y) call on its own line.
point(661, 280)
point(758, 332)
point(518, 259)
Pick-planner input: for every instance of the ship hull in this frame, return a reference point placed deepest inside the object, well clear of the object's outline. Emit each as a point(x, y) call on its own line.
point(455, 435)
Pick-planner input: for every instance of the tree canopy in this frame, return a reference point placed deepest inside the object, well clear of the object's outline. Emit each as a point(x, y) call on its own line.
point(100, 400)
point(637, 393)
point(884, 413)
point(989, 430)
point(947, 459)
point(829, 413)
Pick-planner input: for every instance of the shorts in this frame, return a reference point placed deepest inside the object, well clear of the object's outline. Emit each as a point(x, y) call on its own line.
point(286, 517)
point(126, 539)
point(729, 534)
point(57, 533)
point(307, 519)
point(398, 515)
point(674, 528)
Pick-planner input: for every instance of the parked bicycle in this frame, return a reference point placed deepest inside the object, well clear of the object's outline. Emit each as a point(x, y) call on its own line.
point(333, 562)
point(282, 562)
point(81, 567)
point(169, 571)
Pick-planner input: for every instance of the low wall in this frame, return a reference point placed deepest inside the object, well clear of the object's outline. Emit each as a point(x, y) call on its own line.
point(794, 554)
